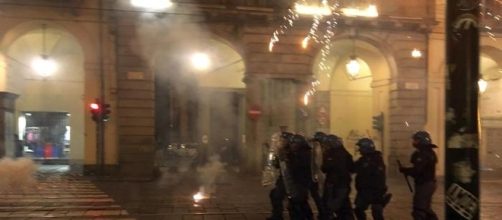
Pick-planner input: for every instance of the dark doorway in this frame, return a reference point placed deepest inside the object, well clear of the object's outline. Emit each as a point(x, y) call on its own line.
point(224, 125)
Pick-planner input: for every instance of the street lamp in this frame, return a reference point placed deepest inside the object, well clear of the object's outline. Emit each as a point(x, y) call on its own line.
point(157, 5)
point(353, 67)
point(43, 64)
point(200, 61)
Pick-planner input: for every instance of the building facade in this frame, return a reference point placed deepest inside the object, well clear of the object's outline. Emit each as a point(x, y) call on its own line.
point(143, 59)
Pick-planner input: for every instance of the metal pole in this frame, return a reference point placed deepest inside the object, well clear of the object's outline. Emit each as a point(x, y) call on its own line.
point(101, 123)
point(462, 146)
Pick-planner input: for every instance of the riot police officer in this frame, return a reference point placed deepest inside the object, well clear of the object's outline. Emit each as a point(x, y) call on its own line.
point(318, 143)
point(423, 171)
point(338, 166)
point(298, 178)
point(370, 181)
point(278, 193)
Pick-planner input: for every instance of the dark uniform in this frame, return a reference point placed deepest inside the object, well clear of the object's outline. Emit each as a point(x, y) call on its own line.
point(338, 166)
point(298, 162)
point(278, 193)
point(424, 161)
point(370, 181)
point(319, 139)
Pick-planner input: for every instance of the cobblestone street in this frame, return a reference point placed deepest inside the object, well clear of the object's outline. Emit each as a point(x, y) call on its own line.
point(170, 197)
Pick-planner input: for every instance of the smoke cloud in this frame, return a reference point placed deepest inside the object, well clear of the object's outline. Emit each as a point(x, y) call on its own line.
point(209, 174)
point(168, 40)
point(17, 175)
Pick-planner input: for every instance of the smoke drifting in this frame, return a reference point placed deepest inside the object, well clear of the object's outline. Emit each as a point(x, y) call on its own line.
point(209, 173)
point(17, 175)
point(169, 40)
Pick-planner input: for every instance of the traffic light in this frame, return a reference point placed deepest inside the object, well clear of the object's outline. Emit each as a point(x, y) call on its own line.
point(106, 112)
point(378, 122)
point(100, 111)
point(95, 111)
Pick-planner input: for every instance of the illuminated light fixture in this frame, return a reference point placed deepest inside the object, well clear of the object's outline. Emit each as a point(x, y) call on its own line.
point(43, 64)
point(201, 61)
point(353, 67)
point(313, 10)
point(416, 53)
point(157, 5)
point(371, 12)
point(483, 85)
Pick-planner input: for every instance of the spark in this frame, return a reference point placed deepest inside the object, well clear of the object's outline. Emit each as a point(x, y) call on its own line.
point(325, 14)
point(315, 10)
point(416, 53)
point(289, 21)
point(489, 14)
point(371, 12)
point(198, 197)
point(306, 99)
point(407, 124)
point(305, 42)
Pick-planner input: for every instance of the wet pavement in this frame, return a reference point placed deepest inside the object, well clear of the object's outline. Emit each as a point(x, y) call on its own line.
point(237, 196)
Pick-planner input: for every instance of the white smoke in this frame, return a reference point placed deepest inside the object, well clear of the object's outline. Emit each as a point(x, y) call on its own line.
point(170, 39)
point(209, 174)
point(17, 175)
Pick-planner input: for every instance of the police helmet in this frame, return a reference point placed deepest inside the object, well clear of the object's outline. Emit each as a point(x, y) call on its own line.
point(333, 141)
point(422, 138)
point(366, 145)
point(286, 135)
point(319, 136)
point(297, 139)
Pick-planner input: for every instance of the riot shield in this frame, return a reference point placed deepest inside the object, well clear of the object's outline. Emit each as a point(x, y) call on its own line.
point(270, 171)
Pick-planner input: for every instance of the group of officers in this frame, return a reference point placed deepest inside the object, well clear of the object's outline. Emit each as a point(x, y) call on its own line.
point(302, 163)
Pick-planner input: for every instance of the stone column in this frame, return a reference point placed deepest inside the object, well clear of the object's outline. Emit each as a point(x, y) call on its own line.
point(136, 105)
point(407, 100)
point(254, 127)
point(7, 123)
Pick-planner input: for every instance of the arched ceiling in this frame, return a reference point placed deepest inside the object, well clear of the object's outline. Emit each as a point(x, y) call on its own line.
point(373, 66)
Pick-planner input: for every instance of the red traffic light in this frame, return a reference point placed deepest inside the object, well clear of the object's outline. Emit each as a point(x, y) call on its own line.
point(94, 106)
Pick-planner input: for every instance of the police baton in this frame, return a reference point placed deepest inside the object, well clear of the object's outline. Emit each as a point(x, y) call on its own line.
point(405, 177)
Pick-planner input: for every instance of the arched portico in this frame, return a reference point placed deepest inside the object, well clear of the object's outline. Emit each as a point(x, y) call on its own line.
point(353, 101)
point(67, 92)
point(202, 91)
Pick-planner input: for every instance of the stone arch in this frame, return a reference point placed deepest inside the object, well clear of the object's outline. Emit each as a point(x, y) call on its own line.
point(369, 96)
point(379, 44)
point(489, 107)
point(235, 59)
point(229, 40)
point(80, 32)
point(212, 97)
point(490, 63)
point(44, 96)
